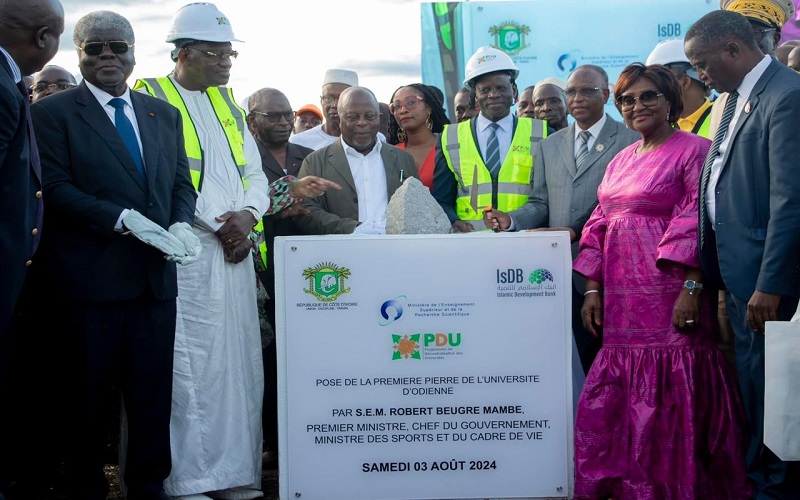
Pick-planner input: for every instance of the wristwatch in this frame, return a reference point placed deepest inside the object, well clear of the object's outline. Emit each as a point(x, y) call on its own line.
point(692, 285)
point(254, 213)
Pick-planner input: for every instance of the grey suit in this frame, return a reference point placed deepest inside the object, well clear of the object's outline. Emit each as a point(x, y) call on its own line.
point(755, 245)
point(561, 193)
point(564, 196)
point(336, 212)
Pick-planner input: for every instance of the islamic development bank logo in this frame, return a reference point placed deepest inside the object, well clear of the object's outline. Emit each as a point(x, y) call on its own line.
point(326, 281)
point(539, 276)
point(509, 37)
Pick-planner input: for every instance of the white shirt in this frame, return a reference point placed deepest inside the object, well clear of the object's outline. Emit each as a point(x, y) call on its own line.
point(504, 134)
point(369, 176)
point(594, 130)
point(745, 88)
point(104, 98)
point(15, 72)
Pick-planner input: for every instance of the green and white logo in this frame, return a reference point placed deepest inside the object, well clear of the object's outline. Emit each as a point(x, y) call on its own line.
point(326, 281)
point(509, 36)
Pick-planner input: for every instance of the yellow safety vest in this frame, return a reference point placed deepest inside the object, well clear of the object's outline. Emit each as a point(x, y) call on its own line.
point(232, 119)
point(513, 185)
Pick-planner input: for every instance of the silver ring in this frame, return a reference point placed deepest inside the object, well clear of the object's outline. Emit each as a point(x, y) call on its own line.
point(689, 321)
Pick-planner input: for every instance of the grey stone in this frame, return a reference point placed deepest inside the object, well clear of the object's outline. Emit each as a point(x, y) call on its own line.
point(413, 210)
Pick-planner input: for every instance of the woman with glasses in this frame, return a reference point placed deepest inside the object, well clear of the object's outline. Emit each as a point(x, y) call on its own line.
point(417, 118)
point(659, 416)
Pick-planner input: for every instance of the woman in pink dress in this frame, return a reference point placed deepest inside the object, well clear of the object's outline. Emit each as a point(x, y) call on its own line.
point(659, 416)
point(417, 118)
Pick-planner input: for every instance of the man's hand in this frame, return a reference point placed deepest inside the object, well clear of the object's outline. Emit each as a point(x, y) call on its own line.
point(238, 252)
point(496, 220)
point(572, 236)
point(311, 187)
point(461, 226)
point(762, 307)
point(237, 227)
point(296, 209)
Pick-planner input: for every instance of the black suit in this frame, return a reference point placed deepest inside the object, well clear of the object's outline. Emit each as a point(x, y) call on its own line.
point(275, 226)
point(20, 181)
point(120, 292)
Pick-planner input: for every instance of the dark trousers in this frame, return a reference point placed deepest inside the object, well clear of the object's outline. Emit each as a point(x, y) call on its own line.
point(269, 418)
point(128, 345)
point(772, 478)
point(588, 345)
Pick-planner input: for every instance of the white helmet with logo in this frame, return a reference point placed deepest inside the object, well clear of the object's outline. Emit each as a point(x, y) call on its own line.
point(201, 21)
point(670, 51)
point(488, 60)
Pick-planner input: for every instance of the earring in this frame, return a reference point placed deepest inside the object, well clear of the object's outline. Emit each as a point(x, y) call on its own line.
point(401, 135)
point(429, 123)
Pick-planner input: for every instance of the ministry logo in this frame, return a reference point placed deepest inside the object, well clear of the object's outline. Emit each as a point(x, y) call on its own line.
point(392, 310)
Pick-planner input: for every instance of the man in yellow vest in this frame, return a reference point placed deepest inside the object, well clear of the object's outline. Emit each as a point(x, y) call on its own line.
point(486, 161)
point(218, 379)
point(696, 115)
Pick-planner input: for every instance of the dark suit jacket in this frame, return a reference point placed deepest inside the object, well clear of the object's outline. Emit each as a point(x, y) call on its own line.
point(90, 177)
point(756, 245)
point(336, 212)
point(19, 183)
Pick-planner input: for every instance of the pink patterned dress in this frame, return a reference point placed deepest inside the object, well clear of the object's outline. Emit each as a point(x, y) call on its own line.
point(660, 416)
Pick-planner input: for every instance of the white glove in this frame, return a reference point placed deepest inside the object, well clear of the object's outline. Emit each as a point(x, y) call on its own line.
point(371, 227)
point(152, 234)
point(191, 243)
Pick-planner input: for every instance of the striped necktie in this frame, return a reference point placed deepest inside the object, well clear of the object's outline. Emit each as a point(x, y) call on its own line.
point(493, 150)
point(713, 153)
point(583, 149)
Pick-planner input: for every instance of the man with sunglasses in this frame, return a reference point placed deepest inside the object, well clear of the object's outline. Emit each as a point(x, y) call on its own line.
point(113, 163)
point(50, 80)
point(749, 198)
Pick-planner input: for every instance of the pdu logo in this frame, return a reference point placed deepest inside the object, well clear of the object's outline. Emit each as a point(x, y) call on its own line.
point(510, 276)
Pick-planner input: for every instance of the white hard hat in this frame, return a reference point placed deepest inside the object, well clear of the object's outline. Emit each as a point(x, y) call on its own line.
point(201, 21)
point(670, 51)
point(488, 60)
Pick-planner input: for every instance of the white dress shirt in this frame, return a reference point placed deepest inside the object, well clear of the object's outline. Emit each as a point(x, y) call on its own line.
point(369, 176)
point(594, 130)
point(745, 88)
point(15, 72)
point(504, 134)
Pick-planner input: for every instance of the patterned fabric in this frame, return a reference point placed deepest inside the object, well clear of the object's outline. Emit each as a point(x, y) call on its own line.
point(583, 150)
point(659, 416)
point(493, 150)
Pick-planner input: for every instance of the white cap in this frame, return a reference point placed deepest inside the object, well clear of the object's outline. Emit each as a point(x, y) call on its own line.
point(556, 82)
point(343, 76)
point(201, 21)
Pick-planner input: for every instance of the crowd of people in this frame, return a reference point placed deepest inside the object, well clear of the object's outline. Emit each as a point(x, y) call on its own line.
point(144, 217)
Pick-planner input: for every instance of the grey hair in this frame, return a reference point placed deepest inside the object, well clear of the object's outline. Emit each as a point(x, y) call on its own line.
point(102, 20)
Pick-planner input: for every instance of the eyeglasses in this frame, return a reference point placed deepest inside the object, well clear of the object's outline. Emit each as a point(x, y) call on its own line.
point(648, 99)
point(275, 116)
point(96, 48)
point(44, 87)
point(216, 56)
point(328, 100)
point(583, 91)
point(410, 103)
point(759, 33)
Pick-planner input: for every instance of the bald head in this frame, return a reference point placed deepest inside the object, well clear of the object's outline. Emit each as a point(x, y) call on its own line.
point(794, 59)
point(782, 52)
point(50, 80)
point(266, 96)
point(30, 31)
point(271, 119)
point(359, 118)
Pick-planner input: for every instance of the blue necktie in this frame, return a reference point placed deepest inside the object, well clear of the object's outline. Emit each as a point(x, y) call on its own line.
point(713, 153)
point(493, 150)
point(126, 132)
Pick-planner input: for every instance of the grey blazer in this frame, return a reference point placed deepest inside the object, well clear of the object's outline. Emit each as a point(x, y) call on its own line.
point(755, 242)
point(562, 195)
point(336, 212)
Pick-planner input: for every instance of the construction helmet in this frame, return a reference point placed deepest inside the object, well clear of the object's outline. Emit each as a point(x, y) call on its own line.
point(670, 51)
point(201, 21)
point(488, 60)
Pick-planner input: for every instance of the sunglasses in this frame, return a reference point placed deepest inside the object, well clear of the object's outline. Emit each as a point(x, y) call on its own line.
point(217, 56)
point(44, 87)
point(583, 91)
point(410, 103)
point(96, 48)
point(648, 99)
point(275, 116)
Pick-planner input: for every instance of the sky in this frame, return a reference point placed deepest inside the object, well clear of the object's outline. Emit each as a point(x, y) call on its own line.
point(288, 44)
